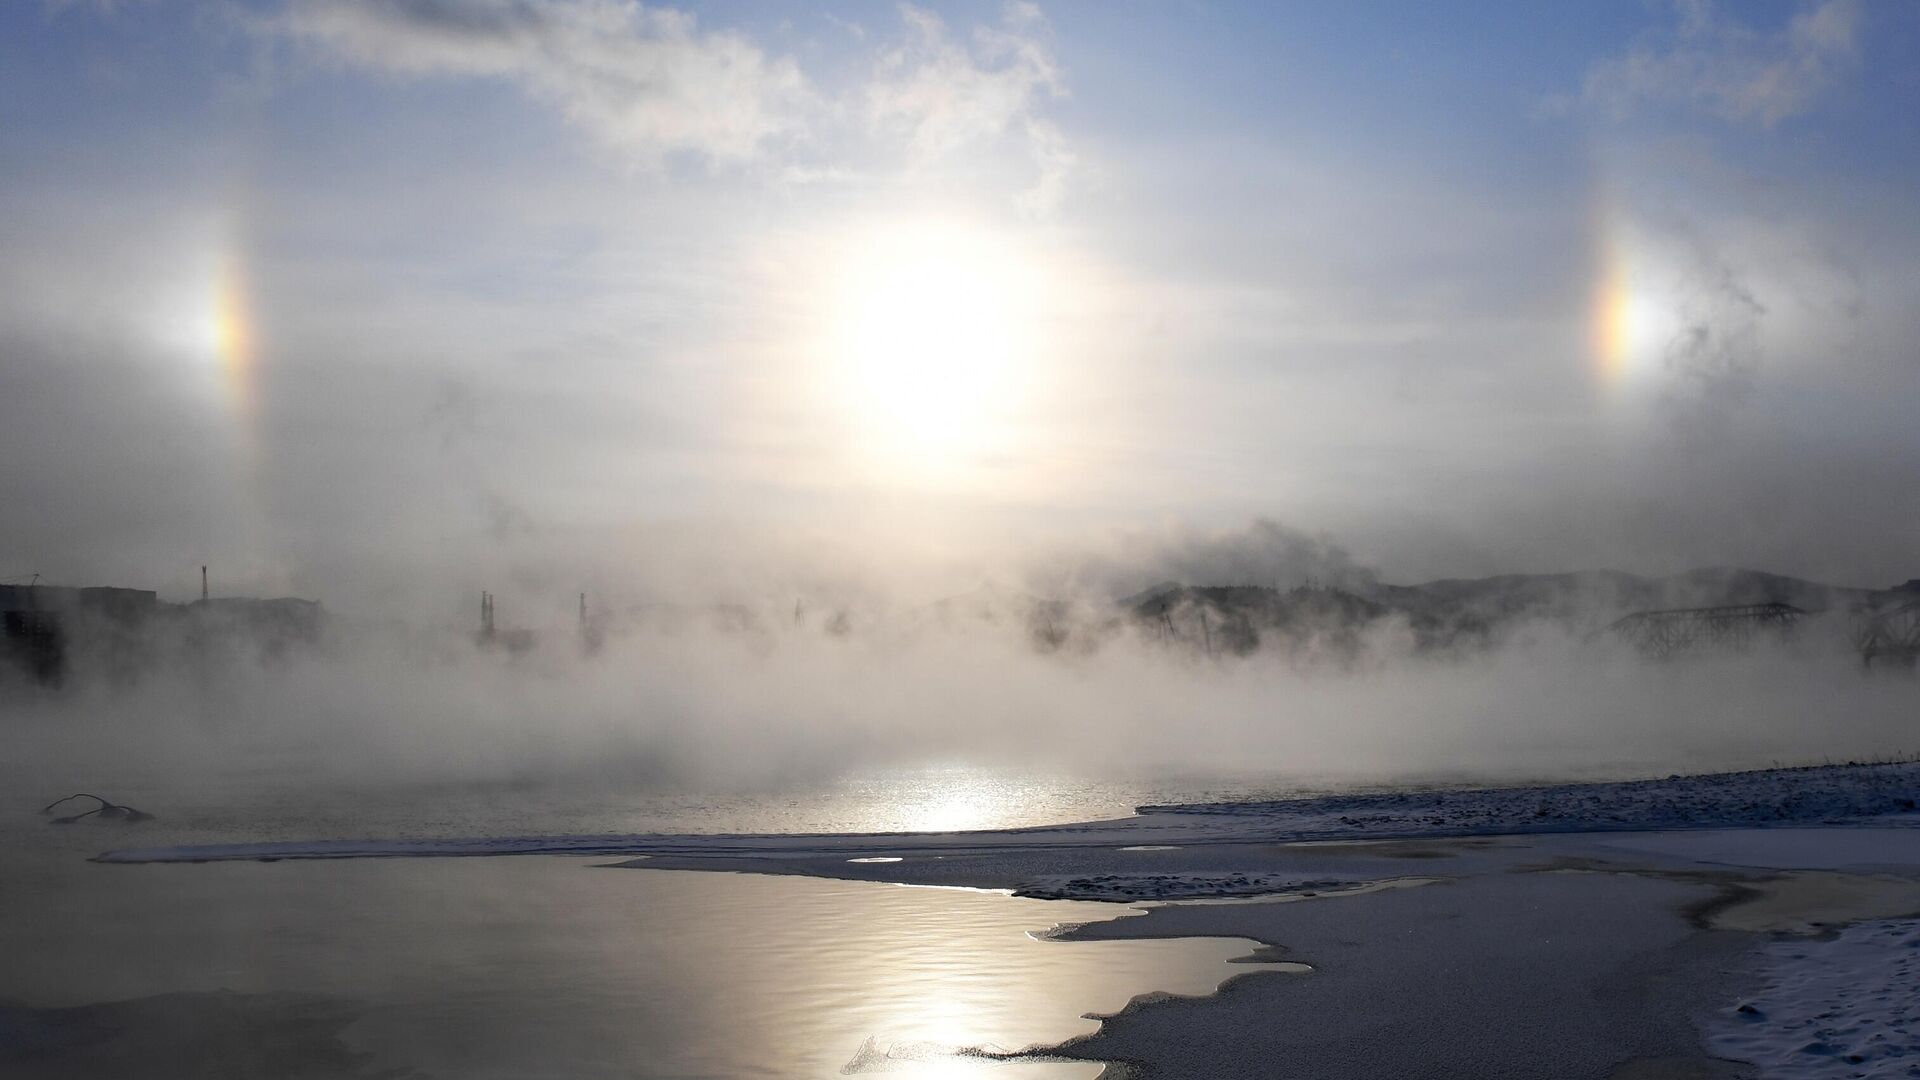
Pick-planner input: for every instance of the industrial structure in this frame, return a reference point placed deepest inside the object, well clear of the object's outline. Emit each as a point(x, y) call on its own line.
point(1678, 630)
point(1890, 637)
point(38, 622)
point(50, 631)
point(514, 641)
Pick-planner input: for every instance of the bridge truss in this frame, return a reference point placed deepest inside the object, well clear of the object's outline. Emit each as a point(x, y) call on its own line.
point(1889, 637)
point(1679, 630)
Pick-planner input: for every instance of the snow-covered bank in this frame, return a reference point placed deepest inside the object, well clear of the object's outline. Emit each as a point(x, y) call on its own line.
point(1828, 794)
point(1846, 1006)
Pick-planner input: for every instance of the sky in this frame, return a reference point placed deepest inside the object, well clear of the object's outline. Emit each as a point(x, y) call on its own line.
point(383, 301)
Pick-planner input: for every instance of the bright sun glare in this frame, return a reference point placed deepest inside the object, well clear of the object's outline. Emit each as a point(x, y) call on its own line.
point(933, 340)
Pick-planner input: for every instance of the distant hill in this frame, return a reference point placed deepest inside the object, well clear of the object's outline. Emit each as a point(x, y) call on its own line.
point(1461, 613)
point(1241, 619)
point(1550, 596)
point(1602, 593)
point(1904, 593)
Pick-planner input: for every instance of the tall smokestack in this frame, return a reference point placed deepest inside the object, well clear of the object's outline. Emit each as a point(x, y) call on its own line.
point(203, 583)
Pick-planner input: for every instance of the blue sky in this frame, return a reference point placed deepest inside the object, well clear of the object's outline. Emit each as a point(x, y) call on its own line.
point(399, 290)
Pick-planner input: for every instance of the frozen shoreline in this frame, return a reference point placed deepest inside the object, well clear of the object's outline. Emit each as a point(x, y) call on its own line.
point(1606, 931)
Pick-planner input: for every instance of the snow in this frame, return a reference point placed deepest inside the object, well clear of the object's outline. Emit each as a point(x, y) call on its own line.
point(1184, 886)
point(1848, 1006)
point(1834, 794)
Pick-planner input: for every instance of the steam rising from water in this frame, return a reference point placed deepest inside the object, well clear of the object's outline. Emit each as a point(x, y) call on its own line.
point(714, 698)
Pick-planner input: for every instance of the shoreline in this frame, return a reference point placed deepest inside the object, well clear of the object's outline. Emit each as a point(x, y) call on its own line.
point(1612, 931)
point(1886, 794)
point(1608, 955)
point(1679, 945)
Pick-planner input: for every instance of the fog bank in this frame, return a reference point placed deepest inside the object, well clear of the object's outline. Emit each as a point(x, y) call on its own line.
point(705, 701)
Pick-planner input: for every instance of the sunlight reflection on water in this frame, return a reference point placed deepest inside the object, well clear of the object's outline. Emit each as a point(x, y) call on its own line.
point(513, 967)
point(925, 799)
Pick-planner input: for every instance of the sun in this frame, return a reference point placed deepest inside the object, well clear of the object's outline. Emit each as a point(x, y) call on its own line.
point(933, 341)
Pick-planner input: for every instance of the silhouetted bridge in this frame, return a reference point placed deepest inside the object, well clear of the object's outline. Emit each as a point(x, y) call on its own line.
point(1664, 633)
point(1891, 636)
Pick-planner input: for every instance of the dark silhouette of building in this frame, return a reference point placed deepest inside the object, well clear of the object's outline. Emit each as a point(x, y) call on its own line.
point(38, 623)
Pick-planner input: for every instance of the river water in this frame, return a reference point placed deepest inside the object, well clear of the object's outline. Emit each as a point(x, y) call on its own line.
point(556, 967)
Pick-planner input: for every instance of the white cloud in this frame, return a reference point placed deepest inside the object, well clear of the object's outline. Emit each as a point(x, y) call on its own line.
point(649, 83)
point(1730, 70)
point(1056, 161)
point(643, 80)
point(944, 94)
